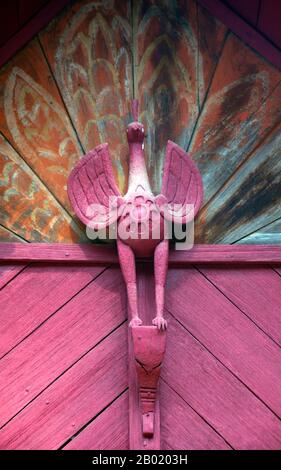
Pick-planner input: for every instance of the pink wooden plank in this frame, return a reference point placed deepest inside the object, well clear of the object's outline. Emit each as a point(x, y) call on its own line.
point(269, 20)
point(243, 30)
point(101, 254)
point(182, 427)
point(8, 272)
point(256, 291)
point(219, 397)
point(145, 282)
point(35, 25)
point(72, 400)
point(108, 431)
point(45, 354)
point(227, 333)
point(34, 295)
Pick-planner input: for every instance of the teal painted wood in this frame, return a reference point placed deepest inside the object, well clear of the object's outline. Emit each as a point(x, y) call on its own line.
point(241, 109)
point(270, 234)
point(250, 199)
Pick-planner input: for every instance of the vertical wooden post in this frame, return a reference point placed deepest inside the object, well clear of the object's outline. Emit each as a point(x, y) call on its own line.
point(146, 298)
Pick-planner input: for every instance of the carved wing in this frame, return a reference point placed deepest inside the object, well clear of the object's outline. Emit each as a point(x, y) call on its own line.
point(182, 184)
point(90, 186)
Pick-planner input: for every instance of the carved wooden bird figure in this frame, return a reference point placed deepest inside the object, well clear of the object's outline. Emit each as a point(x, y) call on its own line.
point(91, 184)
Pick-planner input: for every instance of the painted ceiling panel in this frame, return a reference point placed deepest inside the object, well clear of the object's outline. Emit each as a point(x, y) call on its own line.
point(198, 84)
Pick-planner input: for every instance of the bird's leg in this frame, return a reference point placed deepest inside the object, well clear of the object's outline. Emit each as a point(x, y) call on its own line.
point(128, 267)
point(161, 255)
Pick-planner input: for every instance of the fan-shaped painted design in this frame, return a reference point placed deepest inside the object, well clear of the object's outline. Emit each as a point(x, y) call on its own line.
point(198, 84)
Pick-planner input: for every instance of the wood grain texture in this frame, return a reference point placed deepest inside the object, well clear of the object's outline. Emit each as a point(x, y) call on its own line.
point(146, 305)
point(43, 356)
point(8, 272)
point(89, 50)
point(256, 291)
point(219, 397)
point(269, 234)
point(27, 207)
point(72, 400)
point(173, 67)
point(234, 116)
point(33, 296)
point(108, 431)
point(182, 428)
point(234, 339)
point(249, 200)
point(34, 120)
point(104, 255)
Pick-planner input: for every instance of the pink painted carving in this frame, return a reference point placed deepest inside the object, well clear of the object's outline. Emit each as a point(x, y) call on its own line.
point(91, 183)
point(149, 348)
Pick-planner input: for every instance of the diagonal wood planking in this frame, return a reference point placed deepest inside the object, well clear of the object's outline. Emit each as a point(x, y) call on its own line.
point(255, 291)
point(89, 51)
point(73, 399)
point(33, 119)
point(78, 325)
point(215, 393)
point(34, 295)
point(108, 431)
point(27, 207)
point(249, 200)
point(237, 114)
point(182, 428)
point(232, 337)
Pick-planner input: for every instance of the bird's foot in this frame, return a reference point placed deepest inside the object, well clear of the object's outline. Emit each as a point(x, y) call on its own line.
point(136, 321)
point(160, 322)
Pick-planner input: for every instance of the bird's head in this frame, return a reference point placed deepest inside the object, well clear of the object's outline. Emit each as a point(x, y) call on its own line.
point(135, 132)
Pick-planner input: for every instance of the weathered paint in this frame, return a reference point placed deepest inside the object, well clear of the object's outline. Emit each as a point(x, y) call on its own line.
point(198, 85)
point(89, 51)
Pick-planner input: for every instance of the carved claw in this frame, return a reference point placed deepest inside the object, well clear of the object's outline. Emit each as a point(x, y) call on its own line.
point(160, 322)
point(136, 321)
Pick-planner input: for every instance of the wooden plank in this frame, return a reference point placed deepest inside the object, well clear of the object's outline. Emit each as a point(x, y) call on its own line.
point(89, 50)
point(256, 291)
point(9, 236)
point(214, 393)
point(146, 304)
point(232, 337)
point(249, 200)
point(182, 428)
point(236, 115)
point(101, 254)
point(270, 235)
point(211, 38)
point(176, 47)
point(248, 34)
point(47, 353)
point(27, 207)
point(29, 30)
point(8, 272)
point(33, 119)
point(269, 20)
point(109, 431)
point(72, 400)
point(165, 50)
point(36, 294)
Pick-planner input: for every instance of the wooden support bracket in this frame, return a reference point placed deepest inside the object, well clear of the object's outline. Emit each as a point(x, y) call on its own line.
point(149, 349)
